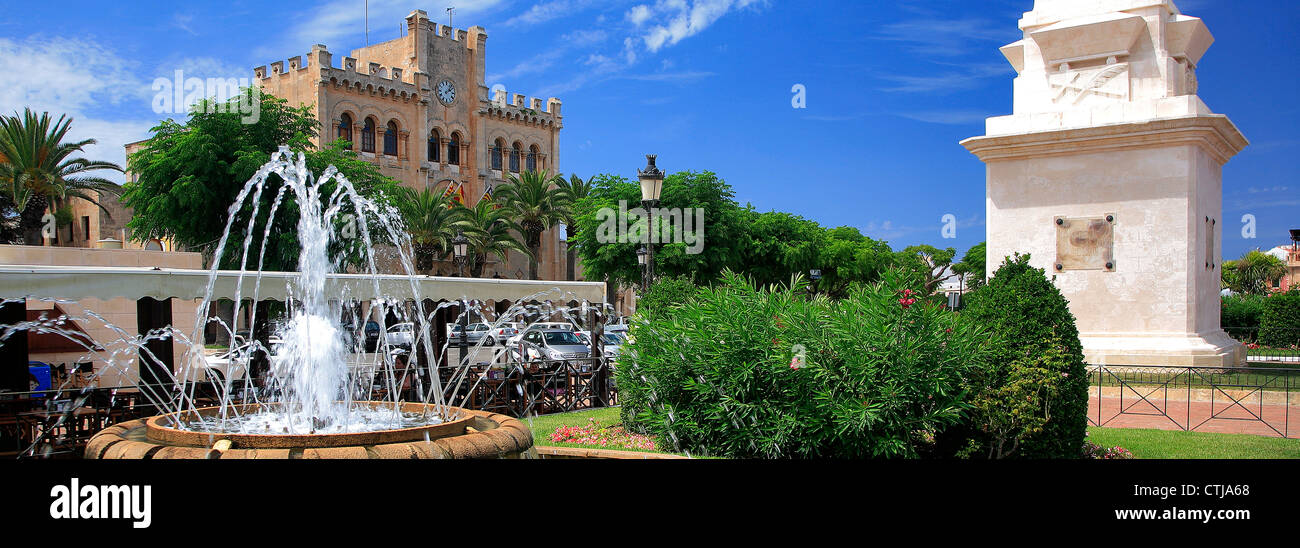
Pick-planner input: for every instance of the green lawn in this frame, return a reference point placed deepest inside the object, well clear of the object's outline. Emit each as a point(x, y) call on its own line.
point(1176, 444)
point(543, 426)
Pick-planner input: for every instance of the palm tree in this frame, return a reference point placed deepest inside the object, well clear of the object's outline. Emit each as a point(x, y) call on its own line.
point(535, 206)
point(1254, 273)
point(432, 219)
point(572, 191)
point(490, 233)
point(36, 170)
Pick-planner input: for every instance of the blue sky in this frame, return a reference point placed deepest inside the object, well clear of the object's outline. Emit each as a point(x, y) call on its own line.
point(706, 84)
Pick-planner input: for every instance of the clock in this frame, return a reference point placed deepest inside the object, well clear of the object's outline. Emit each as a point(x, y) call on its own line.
point(446, 92)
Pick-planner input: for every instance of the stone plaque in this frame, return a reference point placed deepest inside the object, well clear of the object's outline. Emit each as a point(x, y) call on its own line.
point(1085, 243)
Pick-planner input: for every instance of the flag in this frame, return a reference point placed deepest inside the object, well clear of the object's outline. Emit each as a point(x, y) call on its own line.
point(457, 192)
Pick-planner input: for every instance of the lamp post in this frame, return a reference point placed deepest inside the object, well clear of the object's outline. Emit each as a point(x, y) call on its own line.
point(652, 184)
point(460, 248)
point(642, 258)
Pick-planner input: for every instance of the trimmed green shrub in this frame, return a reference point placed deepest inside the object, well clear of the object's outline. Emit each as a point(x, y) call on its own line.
point(1240, 315)
point(1040, 362)
point(1279, 325)
point(749, 372)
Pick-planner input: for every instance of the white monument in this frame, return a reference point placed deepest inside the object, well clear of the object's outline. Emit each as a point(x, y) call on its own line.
point(1109, 176)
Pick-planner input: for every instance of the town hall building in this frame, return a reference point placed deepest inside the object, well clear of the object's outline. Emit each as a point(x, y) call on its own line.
point(419, 108)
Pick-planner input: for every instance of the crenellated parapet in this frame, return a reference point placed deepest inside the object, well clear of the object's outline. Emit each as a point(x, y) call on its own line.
point(374, 79)
point(519, 108)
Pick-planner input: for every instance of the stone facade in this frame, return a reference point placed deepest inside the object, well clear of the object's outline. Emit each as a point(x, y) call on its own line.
point(1109, 174)
point(419, 108)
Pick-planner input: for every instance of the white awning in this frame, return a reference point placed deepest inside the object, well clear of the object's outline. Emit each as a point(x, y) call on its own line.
point(80, 282)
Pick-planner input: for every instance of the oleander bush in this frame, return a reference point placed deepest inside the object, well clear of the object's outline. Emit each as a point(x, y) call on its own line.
point(1279, 325)
point(1033, 402)
point(743, 371)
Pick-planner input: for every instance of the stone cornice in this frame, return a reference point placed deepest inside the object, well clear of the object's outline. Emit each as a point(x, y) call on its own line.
point(1215, 134)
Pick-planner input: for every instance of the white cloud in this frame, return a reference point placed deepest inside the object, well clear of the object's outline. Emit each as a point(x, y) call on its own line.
point(948, 117)
point(638, 15)
point(939, 37)
point(682, 19)
point(580, 38)
point(546, 11)
point(183, 22)
point(82, 79)
point(333, 21)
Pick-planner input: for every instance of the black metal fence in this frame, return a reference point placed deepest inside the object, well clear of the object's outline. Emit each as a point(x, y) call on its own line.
point(1256, 400)
point(522, 389)
point(58, 422)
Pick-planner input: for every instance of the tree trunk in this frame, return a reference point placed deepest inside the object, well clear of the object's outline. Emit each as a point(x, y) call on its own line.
point(572, 258)
point(480, 261)
point(570, 254)
point(533, 262)
point(30, 220)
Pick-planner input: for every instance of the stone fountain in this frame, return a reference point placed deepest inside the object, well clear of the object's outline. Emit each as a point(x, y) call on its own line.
point(316, 399)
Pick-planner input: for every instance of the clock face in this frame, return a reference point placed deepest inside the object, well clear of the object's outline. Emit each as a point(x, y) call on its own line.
point(446, 92)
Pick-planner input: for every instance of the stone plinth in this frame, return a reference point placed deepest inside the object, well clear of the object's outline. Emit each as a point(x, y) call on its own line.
point(1108, 133)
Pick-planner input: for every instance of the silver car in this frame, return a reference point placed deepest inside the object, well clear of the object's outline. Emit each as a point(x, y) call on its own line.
point(553, 344)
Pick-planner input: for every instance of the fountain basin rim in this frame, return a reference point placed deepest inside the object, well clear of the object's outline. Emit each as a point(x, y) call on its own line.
point(159, 430)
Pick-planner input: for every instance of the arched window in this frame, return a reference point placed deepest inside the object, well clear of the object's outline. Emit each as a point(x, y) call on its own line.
point(497, 148)
point(453, 150)
point(390, 139)
point(345, 129)
point(368, 136)
point(514, 158)
point(435, 146)
point(532, 158)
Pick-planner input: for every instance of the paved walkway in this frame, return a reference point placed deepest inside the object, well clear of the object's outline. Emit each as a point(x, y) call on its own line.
point(1252, 415)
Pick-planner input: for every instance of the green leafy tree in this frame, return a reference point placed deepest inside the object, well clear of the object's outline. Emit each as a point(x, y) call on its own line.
point(432, 219)
point(38, 170)
point(490, 233)
point(933, 263)
point(203, 164)
point(847, 257)
point(973, 265)
point(1255, 273)
point(779, 245)
point(572, 192)
point(533, 202)
point(607, 256)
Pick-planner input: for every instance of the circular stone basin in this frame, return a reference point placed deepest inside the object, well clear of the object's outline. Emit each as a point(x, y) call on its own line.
point(468, 435)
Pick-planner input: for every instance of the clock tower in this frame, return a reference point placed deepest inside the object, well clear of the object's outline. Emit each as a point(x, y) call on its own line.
point(418, 107)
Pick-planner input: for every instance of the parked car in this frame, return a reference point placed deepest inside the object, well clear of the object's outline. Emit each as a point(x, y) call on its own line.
point(541, 326)
point(613, 343)
point(551, 344)
point(401, 335)
point(501, 333)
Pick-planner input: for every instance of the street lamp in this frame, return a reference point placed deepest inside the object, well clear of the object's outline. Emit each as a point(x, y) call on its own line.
point(642, 258)
point(652, 184)
point(460, 249)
